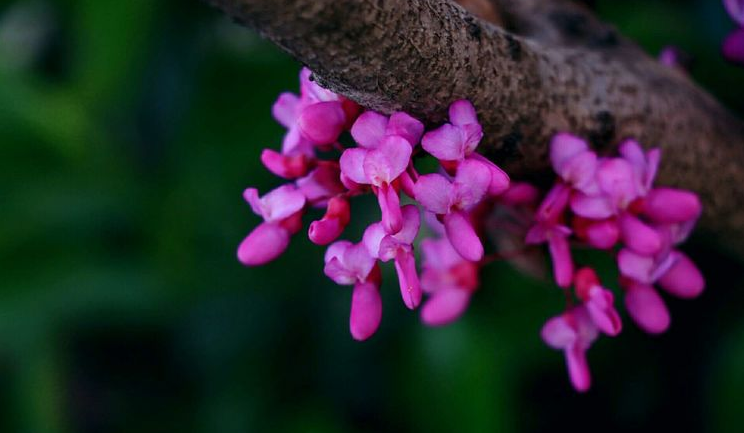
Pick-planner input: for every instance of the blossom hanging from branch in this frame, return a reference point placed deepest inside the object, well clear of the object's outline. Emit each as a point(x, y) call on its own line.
point(605, 203)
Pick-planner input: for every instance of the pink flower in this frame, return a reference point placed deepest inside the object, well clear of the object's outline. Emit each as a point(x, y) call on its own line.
point(549, 229)
point(281, 210)
point(371, 127)
point(599, 301)
point(398, 247)
point(451, 199)
point(450, 281)
point(573, 332)
point(454, 142)
point(347, 264)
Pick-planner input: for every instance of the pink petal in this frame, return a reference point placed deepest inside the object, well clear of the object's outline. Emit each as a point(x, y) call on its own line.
point(735, 9)
point(558, 333)
point(369, 129)
point(392, 217)
point(499, 179)
point(683, 279)
point(579, 172)
point(439, 254)
point(372, 237)
point(264, 244)
point(560, 253)
point(471, 183)
point(407, 184)
point(461, 234)
point(603, 234)
point(403, 125)
point(366, 311)
point(520, 194)
point(563, 147)
point(385, 163)
point(594, 207)
point(339, 273)
point(472, 134)
point(352, 165)
point(311, 92)
point(336, 250)
point(410, 291)
point(638, 236)
point(445, 306)
point(669, 205)
point(578, 368)
point(251, 196)
point(282, 203)
point(325, 231)
point(462, 112)
point(554, 204)
point(617, 179)
point(636, 266)
point(323, 183)
point(411, 224)
point(602, 311)
point(288, 167)
point(434, 192)
point(537, 234)
point(295, 144)
point(285, 109)
point(647, 309)
point(323, 122)
point(445, 143)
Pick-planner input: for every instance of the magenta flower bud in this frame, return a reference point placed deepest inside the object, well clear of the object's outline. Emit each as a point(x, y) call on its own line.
point(560, 254)
point(366, 310)
point(602, 234)
point(646, 308)
point(669, 205)
point(733, 47)
point(410, 290)
point(461, 233)
point(683, 279)
point(323, 122)
point(265, 243)
point(329, 228)
point(288, 167)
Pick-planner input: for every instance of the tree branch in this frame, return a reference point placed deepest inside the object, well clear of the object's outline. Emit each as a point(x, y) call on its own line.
point(568, 72)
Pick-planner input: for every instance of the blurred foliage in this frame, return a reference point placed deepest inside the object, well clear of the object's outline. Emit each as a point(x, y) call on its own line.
point(127, 132)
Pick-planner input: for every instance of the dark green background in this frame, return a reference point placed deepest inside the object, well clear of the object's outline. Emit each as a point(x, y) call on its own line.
point(128, 130)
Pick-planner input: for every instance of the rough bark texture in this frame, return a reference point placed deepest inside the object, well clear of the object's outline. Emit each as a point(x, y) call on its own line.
point(551, 67)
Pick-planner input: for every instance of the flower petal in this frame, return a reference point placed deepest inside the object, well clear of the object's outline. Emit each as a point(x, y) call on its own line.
point(410, 291)
point(403, 125)
point(369, 128)
point(638, 236)
point(462, 112)
point(461, 234)
point(683, 279)
point(669, 205)
point(471, 183)
point(434, 192)
point(445, 143)
point(366, 310)
point(558, 333)
point(388, 161)
point(563, 147)
point(265, 243)
point(285, 109)
point(352, 161)
point(323, 122)
point(647, 309)
point(445, 306)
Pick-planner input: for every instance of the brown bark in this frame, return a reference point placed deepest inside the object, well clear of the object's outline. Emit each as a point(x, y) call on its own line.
point(557, 69)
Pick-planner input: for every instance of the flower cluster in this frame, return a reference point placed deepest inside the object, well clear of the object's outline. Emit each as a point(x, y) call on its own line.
point(733, 45)
point(381, 163)
point(605, 203)
point(611, 204)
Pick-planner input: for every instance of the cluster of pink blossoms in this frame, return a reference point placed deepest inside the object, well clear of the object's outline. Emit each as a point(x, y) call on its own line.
point(733, 45)
point(603, 203)
point(610, 204)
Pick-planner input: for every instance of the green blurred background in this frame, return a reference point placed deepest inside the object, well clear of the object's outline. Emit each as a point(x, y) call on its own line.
point(128, 130)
